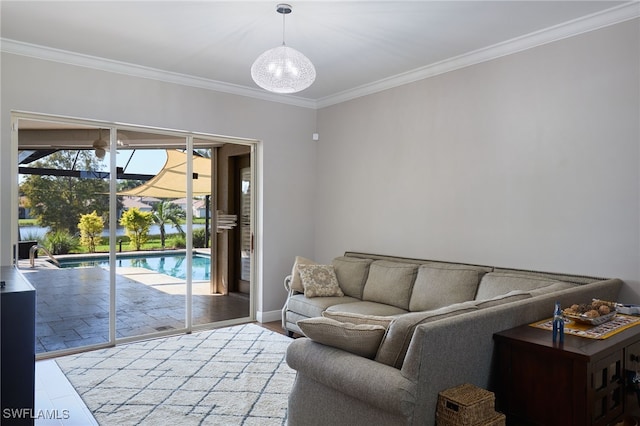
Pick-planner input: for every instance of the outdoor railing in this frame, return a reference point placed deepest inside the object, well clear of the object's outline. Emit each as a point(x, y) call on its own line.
point(32, 255)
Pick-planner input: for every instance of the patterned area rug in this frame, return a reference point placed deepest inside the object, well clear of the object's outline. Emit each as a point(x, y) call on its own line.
point(228, 376)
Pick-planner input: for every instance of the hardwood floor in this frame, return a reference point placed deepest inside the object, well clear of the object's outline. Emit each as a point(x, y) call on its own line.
point(275, 326)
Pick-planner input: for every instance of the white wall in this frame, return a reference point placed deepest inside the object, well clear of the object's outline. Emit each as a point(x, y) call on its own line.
point(527, 161)
point(530, 161)
point(288, 153)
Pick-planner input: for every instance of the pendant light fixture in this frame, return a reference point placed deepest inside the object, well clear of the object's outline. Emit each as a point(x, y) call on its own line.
point(100, 146)
point(283, 69)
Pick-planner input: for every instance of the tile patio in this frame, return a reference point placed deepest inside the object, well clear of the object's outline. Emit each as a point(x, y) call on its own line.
point(72, 305)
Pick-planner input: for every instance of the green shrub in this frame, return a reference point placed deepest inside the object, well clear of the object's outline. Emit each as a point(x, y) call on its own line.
point(198, 238)
point(91, 226)
point(137, 224)
point(178, 241)
point(60, 242)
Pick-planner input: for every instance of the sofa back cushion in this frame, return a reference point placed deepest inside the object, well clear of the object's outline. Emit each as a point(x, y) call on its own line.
point(443, 285)
point(516, 295)
point(352, 273)
point(575, 279)
point(496, 283)
point(395, 343)
point(390, 283)
point(512, 296)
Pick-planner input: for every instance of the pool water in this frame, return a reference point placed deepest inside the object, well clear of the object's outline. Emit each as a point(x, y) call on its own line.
point(174, 265)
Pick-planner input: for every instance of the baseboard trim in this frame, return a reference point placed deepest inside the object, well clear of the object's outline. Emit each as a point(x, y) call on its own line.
point(268, 316)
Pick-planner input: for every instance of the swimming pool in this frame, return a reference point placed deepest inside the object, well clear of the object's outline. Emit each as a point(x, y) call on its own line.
point(173, 264)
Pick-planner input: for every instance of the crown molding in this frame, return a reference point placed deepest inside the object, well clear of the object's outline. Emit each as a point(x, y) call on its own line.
point(72, 58)
point(615, 15)
point(567, 29)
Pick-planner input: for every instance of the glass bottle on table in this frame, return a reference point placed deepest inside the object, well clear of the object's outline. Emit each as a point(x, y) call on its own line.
point(558, 324)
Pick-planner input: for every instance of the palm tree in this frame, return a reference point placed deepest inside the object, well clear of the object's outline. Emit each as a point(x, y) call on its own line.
point(166, 212)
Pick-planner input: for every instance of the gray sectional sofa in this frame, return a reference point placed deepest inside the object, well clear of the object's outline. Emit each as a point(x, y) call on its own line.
point(435, 323)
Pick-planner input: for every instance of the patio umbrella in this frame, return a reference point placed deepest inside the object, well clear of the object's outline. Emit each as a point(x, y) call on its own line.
point(170, 182)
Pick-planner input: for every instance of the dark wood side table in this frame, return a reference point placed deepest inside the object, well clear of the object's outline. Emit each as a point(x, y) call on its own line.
point(579, 382)
point(17, 348)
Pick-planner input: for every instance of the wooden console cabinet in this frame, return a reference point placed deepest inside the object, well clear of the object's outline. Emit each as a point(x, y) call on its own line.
point(579, 382)
point(17, 349)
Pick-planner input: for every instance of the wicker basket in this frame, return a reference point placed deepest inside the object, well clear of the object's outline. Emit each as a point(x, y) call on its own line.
point(465, 405)
point(498, 419)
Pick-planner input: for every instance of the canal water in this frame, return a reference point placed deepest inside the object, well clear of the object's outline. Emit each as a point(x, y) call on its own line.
point(35, 232)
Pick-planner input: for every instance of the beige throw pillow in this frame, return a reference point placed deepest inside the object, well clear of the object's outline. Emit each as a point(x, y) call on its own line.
point(360, 339)
point(319, 281)
point(296, 282)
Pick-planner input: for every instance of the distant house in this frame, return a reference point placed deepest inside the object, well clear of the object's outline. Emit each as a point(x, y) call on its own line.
point(199, 207)
point(130, 202)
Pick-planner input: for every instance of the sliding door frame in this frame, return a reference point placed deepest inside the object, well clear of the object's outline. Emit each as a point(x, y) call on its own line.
point(190, 145)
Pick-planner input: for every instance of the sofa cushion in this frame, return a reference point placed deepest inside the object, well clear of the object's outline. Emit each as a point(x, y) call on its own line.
point(360, 339)
point(313, 307)
point(390, 283)
point(559, 285)
point(496, 283)
point(352, 274)
point(395, 343)
point(319, 280)
point(512, 296)
point(296, 282)
point(358, 318)
point(438, 286)
point(367, 308)
point(574, 279)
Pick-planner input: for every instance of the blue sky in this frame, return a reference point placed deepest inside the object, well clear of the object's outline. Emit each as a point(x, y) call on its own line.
point(148, 161)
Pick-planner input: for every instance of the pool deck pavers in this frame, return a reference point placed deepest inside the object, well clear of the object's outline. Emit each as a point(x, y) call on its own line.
point(72, 305)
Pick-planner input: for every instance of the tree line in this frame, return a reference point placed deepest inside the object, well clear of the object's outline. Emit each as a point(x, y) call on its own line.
point(67, 204)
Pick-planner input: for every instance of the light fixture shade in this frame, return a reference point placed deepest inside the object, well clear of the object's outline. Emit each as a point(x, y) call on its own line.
point(99, 145)
point(283, 70)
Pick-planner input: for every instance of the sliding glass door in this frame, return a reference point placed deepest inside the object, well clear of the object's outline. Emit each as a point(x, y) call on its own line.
point(64, 196)
point(151, 257)
point(127, 233)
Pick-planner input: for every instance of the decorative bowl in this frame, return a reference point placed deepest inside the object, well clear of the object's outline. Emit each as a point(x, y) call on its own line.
point(592, 321)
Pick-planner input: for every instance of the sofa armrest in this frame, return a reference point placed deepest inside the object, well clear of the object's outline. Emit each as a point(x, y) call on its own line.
point(374, 383)
point(287, 283)
point(287, 286)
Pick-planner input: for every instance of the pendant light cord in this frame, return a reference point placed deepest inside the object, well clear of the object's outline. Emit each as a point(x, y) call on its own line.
point(283, 15)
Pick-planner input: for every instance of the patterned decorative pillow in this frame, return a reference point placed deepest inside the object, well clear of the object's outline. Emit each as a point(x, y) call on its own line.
point(319, 281)
point(360, 339)
point(296, 283)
